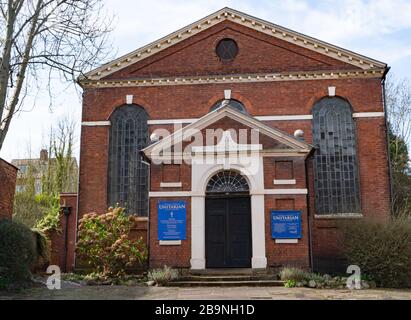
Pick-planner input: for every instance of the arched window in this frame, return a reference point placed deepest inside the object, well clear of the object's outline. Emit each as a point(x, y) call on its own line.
point(227, 181)
point(232, 103)
point(128, 176)
point(335, 161)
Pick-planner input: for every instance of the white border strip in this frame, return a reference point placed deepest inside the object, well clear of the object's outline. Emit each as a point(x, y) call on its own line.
point(171, 184)
point(260, 118)
point(166, 194)
point(286, 240)
point(284, 181)
point(170, 194)
point(170, 242)
point(171, 121)
point(269, 118)
point(368, 114)
point(285, 191)
point(282, 118)
point(95, 123)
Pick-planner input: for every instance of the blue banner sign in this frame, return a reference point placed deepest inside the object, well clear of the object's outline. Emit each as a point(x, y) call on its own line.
point(171, 220)
point(285, 224)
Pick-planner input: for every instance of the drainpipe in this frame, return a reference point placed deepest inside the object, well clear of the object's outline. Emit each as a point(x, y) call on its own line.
point(147, 162)
point(66, 211)
point(384, 101)
point(310, 245)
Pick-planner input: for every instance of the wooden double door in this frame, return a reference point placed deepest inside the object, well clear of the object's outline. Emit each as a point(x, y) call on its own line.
point(228, 232)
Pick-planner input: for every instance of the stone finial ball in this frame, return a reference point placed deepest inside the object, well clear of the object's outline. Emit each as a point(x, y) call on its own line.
point(298, 133)
point(154, 137)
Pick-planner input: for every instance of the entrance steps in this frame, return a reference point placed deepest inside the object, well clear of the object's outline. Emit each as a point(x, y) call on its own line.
point(227, 278)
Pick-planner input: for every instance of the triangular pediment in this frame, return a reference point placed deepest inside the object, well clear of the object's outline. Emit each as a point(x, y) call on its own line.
point(294, 38)
point(215, 132)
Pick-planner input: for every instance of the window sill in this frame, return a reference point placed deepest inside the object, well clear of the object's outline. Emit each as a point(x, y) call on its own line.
point(141, 218)
point(339, 216)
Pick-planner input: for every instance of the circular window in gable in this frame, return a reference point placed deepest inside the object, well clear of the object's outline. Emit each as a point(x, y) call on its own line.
point(227, 49)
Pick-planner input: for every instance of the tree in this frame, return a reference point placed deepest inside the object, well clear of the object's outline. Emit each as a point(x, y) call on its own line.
point(46, 38)
point(398, 103)
point(60, 174)
point(62, 169)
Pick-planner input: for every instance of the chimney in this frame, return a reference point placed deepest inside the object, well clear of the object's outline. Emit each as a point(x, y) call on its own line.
point(43, 155)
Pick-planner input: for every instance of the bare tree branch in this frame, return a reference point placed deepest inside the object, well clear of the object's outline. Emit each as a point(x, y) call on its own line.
point(44, 40)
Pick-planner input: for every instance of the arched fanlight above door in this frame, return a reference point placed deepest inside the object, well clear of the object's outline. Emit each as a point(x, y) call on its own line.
point(227, 181)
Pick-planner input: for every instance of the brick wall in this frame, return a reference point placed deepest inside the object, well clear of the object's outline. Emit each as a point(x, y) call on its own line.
point(257, 53)
point(173, 256)
point(8, 176)
point(63, 255)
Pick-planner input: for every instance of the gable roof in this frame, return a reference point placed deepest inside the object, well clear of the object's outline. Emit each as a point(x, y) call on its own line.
point(260, 25)
point(293, 143)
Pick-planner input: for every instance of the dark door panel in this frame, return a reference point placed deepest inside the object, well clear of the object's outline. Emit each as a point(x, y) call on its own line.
point(228, 232)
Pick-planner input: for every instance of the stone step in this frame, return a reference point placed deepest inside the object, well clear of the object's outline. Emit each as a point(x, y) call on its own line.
point(211, 278)
point(245, 283)
point(229, 271)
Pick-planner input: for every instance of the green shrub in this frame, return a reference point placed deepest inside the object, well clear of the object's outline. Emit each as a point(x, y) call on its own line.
point(163, 276)
point(17, 254)
point(290, 284)
point(104, 243)
point(381, 249)
point(296, 274)
point(40, 211)
point(51, 212)
point(43, 250)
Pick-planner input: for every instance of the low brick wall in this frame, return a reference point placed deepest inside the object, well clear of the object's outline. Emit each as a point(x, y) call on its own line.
point(8, 175)
point(62, 248)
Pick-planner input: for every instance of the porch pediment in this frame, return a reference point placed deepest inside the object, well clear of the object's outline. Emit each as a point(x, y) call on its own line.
point(227, 130)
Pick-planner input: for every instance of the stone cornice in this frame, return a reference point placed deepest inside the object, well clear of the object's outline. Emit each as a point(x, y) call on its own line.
point(260, 25)
point(244, 78)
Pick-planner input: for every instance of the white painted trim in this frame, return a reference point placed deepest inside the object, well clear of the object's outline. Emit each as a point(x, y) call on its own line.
point(285, 191)
point(229, 79)
point(197, 260)
point(339, 216)
point(284, 181)
point(141, 218)
point(167, 194)
point(171, 121)
point(268, 118)
point(286, 240)
point(258, 260)
point(368, 114)
point(171, 184)
point(170, 242)
point(95, 123)
point(129, 99)
point(285, 117)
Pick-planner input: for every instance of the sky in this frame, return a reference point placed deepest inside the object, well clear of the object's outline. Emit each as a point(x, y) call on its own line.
point(380, 29)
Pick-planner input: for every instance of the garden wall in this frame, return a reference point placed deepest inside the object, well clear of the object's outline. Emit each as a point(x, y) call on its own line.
point(62, 248)
point(8, 175)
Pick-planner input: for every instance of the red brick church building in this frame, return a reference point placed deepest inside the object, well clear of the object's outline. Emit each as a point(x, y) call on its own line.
point(237, 143)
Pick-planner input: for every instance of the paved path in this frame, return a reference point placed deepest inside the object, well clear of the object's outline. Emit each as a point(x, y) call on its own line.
point(163, 293)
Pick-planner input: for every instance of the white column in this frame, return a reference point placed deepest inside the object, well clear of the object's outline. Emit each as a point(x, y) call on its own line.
point(197, 232)
point(259, 259)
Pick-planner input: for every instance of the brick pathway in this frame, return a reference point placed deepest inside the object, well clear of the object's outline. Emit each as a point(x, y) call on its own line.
point(271, 293)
